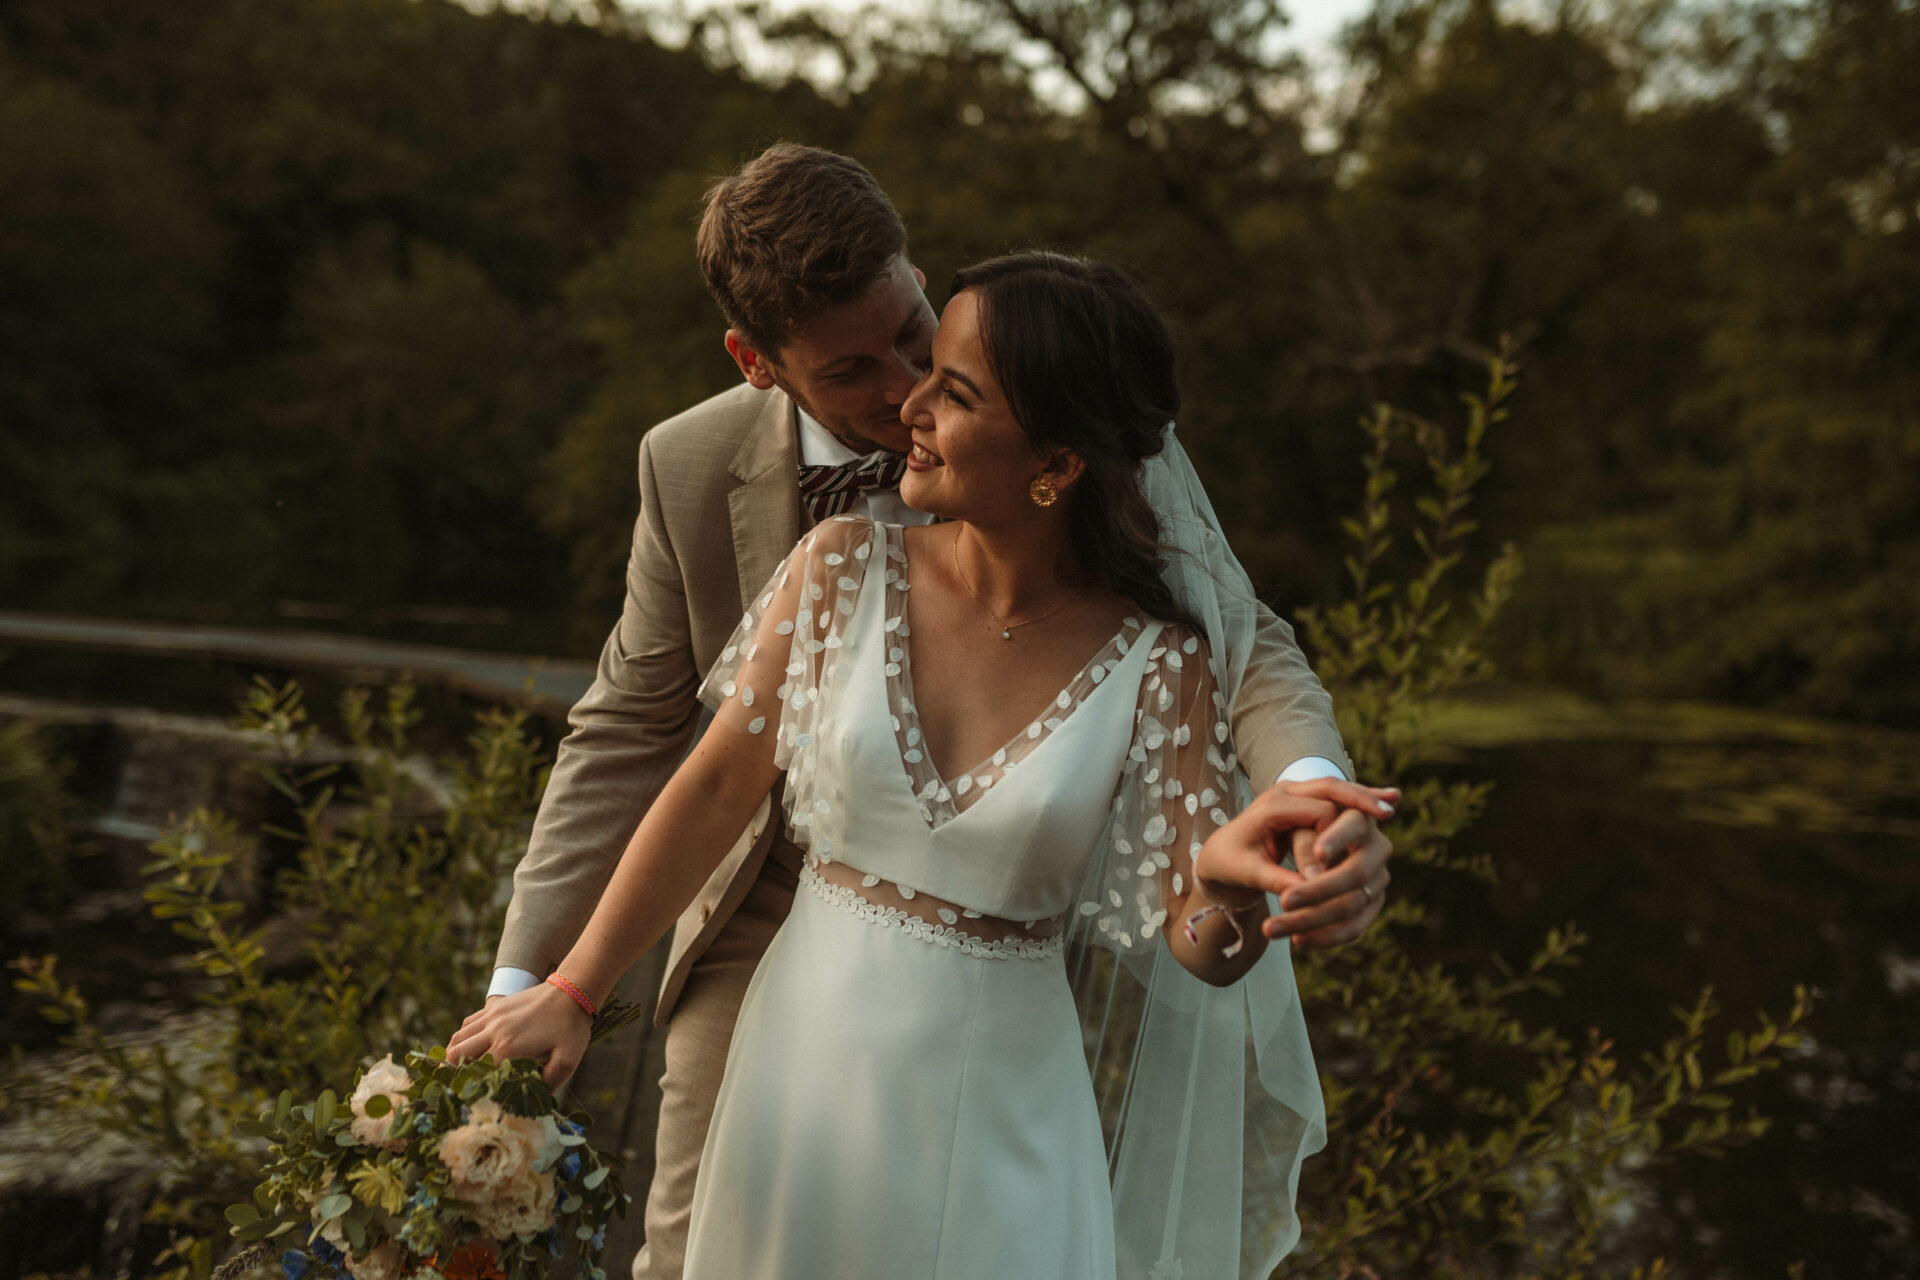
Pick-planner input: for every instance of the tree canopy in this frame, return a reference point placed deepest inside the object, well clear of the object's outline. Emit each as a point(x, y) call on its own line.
point(369, 301)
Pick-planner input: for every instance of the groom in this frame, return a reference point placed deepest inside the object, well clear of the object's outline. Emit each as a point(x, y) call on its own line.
point(829, 324)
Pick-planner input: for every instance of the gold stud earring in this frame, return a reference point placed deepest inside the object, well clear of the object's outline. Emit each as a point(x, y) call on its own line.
point(1042, 492)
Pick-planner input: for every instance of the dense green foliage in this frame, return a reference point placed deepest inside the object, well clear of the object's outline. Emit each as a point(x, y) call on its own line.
point(1777, 553)
point(282, 292)
point(366, 303)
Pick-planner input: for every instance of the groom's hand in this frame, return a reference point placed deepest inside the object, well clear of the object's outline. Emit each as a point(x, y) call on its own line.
point(1343, 867)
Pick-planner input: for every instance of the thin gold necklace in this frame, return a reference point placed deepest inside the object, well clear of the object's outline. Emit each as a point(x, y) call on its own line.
point(1006, 628)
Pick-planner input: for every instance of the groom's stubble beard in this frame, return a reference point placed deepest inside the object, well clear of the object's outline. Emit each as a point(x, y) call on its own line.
point(841, 428)
point(838, 427)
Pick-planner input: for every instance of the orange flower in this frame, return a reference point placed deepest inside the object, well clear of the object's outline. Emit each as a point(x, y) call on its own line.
point(475, 1262)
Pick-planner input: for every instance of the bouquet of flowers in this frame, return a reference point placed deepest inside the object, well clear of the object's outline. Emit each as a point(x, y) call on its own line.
point(429, 1171)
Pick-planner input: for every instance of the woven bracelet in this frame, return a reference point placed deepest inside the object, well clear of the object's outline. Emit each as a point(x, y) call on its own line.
point(579, 996)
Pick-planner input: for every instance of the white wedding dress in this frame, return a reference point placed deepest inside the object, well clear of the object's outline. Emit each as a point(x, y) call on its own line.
point(907, 1093)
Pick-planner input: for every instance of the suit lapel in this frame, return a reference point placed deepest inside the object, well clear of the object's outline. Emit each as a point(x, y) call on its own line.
point(764, 503)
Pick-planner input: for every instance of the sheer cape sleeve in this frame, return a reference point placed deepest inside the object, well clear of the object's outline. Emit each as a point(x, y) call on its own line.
point(1208, 1095)
point(778, 670)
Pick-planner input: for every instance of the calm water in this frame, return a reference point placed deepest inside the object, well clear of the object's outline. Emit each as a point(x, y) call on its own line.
point(1749, 855)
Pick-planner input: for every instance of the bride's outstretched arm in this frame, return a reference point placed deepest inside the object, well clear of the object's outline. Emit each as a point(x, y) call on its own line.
point(673, 851)
point(698, 817)
point(703, 808)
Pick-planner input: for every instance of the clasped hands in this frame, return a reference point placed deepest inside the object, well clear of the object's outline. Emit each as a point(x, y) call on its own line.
point(1338, 882)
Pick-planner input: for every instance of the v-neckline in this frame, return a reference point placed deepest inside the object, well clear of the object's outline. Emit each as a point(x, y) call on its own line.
point(933, 791)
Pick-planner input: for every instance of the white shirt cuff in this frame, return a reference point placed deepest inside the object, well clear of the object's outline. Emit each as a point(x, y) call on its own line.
point(507, 981)
point(1307, 768)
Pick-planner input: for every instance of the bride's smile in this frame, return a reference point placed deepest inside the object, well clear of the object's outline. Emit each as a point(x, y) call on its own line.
point(971, 459)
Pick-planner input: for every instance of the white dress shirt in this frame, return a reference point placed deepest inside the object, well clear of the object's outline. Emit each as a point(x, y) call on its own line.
point(818, 448)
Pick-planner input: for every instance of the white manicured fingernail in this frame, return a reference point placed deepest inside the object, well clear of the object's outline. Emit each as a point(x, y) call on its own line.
point(1386, 810)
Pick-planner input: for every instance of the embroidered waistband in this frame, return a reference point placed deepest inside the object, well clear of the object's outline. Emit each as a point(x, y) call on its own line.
point(939, 935)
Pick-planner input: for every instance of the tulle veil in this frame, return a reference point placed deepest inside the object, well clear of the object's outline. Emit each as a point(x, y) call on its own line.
point(1208, 1096)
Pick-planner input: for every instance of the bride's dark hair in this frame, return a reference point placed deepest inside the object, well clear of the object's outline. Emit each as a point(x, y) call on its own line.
point(1086, 364)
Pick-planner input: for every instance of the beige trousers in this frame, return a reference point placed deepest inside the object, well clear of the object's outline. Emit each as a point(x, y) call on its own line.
point(698, 1034)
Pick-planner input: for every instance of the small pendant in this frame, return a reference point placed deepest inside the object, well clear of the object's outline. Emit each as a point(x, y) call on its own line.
point(1006, 635)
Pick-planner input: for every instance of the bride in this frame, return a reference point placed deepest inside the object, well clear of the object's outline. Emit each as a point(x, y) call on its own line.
point(1004, 743)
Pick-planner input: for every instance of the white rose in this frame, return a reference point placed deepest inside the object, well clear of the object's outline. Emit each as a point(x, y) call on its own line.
point(388, 1079)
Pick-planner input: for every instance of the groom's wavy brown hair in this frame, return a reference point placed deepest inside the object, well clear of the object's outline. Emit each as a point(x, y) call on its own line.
point(791, 232)
point(1086, 363)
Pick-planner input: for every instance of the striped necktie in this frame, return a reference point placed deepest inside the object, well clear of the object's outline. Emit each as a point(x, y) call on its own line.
point(832, 490)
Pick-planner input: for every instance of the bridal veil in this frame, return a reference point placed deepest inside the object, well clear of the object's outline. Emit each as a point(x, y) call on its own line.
point(1208, 1095)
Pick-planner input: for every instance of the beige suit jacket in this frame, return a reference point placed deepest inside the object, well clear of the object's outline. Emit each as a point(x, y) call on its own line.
point(719, 511)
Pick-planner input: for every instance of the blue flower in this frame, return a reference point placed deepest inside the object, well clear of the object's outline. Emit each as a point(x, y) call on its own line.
point(295, 1263)
point(599, 1240)
point(569, 1166)
point(422, 1123)
point(324, 1250)
point(569, 1126)
point(553, 1243)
